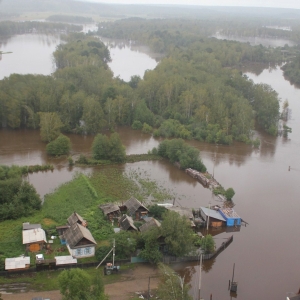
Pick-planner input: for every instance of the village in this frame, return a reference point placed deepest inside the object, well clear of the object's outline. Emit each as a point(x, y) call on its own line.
point(73, 240)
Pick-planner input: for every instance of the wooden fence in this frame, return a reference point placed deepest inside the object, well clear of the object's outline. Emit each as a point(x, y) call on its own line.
point(60, 267)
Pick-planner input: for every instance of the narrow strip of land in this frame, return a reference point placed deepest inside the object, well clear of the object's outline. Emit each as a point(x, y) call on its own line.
point(131, 281)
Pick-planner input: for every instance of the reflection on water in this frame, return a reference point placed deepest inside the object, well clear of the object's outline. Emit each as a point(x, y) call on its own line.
point(31, 54)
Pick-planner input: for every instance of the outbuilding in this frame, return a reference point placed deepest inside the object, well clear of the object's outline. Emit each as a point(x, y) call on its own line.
point(17, 263)
point(135, 208)
point(34, 239)
point(214, 217)
point(110, 210)
point(231, 217)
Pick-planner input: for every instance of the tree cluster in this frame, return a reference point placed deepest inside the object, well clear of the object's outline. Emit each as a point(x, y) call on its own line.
point(17, 197)
point(177, 150)
point(76, 284)
point(105, 148)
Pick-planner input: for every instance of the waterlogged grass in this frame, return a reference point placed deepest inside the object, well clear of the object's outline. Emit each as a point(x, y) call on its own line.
point(77, 195)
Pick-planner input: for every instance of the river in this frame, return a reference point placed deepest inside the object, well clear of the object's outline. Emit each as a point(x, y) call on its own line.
point(267, 196)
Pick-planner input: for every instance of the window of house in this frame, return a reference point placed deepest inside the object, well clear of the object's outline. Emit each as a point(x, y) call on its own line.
point(87, 250)
point(78, 251)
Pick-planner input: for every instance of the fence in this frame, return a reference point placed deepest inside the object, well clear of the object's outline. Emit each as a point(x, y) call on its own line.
point(173, 259)
point(60, 267)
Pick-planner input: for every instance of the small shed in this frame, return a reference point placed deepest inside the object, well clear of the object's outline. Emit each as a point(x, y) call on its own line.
point(135, 208)
point(65, 260)
point(34, 239)
point(150, 223)
point(80, 241)
point(110, 210)
point(126, 223)
point(17, 263)
point(214, 216)
point(76, 218)
point(231, 217)
point(28, 226)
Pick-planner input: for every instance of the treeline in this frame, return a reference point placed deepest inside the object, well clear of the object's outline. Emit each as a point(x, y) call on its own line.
point(70, 19)
point(17, 197)
point(9, 28)
point(165, 35)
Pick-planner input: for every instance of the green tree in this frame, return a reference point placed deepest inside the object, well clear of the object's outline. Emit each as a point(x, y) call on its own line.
point(116, 149)
point(60, 146)
point(207, 243)
point(172, 286)
point(151, 251)
point(176, 230)
point(74, 284)
point(229, 193)
point(100, 147)
point(97, 292)
point(50, 125)
point(125, 244)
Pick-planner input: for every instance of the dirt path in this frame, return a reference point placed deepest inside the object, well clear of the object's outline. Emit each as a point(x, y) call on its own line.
point(132, 281)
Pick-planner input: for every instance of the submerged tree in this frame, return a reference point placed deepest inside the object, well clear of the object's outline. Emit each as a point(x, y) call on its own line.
point(50, 125)
point(172, 286)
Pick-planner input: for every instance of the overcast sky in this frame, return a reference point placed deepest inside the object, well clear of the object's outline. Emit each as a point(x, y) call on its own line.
point(256, 3)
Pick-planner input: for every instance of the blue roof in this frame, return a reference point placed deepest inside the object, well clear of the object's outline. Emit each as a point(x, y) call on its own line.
point(212, 213)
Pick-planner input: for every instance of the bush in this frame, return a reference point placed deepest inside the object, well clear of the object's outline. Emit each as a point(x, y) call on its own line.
point(60, 146)
point(147, 128)
point(136, 125)
point(229, 193)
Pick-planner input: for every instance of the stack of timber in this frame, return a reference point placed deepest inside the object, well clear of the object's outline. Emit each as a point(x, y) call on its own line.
point(205, 179)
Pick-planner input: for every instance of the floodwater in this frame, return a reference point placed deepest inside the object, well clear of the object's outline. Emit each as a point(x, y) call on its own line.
point(31, 54)
point(128, 58)
point(265, 252)
point(254, 41)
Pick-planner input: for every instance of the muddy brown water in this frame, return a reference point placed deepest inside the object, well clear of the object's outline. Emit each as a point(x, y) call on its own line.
point(265, 252)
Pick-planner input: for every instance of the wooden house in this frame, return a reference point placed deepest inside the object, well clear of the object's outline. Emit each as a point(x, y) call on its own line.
point(135, 208)
point(110, 210)
point(126, 223)
point(214, 217)
point(79, 241)
point(34, 239)
point(17, 263)
point(76, 218)
point(149, 223)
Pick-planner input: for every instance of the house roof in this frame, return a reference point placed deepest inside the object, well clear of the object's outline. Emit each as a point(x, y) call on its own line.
point(126, 222)
point(109, 208)
point(74, 218)
point(183, 211)
point(212, 213)
point(229, 213)
point(33, 236)
point(27, 226)
point(64, 260)
point(133, 205)
point(76, 233)
point(17, 262)
point(150, 222)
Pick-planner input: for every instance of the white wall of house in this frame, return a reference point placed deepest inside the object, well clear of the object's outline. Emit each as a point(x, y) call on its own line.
point(86, 251)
